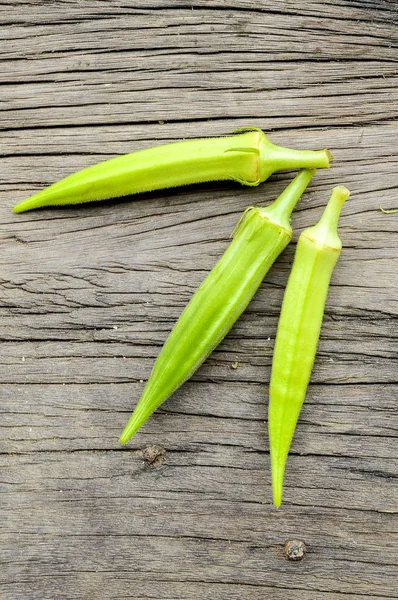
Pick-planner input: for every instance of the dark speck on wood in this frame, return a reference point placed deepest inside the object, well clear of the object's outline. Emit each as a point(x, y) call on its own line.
point(154, 455)
point(295, 550)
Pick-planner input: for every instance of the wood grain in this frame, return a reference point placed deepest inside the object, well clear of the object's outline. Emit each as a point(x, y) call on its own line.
point(88, 295)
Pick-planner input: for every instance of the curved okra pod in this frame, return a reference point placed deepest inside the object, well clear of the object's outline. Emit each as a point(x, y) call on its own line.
point(260, 236)
point(318, 249)
point(248, 158)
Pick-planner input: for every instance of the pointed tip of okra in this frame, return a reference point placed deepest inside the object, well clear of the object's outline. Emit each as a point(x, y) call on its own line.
point(128, 432)
point(50, 196)
point(20, 207)
point(137, 419)
point(278, 457)
point(277, 471)
point(28, 204)
point(125, 437)
point(277, 497)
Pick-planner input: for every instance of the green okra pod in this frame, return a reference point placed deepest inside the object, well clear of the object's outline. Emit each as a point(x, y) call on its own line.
point(261, 235)
point(318, 249)
point(247, 157)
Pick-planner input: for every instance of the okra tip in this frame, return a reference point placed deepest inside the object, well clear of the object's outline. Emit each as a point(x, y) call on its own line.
point(277, 483)
point(20, 207)
point(127, 433)
point(39, 200)
point(138, 418)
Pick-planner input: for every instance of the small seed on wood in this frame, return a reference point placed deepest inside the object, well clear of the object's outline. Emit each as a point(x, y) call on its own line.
point(154, 455)
point(295, 550)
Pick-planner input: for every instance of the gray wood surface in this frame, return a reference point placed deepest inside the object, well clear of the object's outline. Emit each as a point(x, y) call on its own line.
point(88, 295)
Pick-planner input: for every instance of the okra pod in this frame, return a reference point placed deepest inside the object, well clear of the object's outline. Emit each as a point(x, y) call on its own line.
point(247, 157)
point(260, 236)
point(318, 249)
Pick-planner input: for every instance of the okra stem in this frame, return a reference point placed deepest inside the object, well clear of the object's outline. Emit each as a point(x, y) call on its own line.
point(248, 158)
point(281, 209)
point(260, 237)
point(325, 231)
point(279, 158)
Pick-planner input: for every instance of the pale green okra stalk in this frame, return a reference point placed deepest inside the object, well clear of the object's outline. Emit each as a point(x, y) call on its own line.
point(261, 235)
point(247, 157)
point(318, 249)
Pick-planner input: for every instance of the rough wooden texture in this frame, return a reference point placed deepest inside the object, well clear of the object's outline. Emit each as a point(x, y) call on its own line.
point(88, 295)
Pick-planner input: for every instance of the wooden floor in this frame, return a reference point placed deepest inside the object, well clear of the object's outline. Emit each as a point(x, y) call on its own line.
point(88, 295)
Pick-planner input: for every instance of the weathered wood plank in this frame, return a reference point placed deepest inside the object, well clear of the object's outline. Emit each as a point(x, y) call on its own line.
point(86, 413)
point(282, 107)
point(88, 295)
point(179, 44)
point(113, 586)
